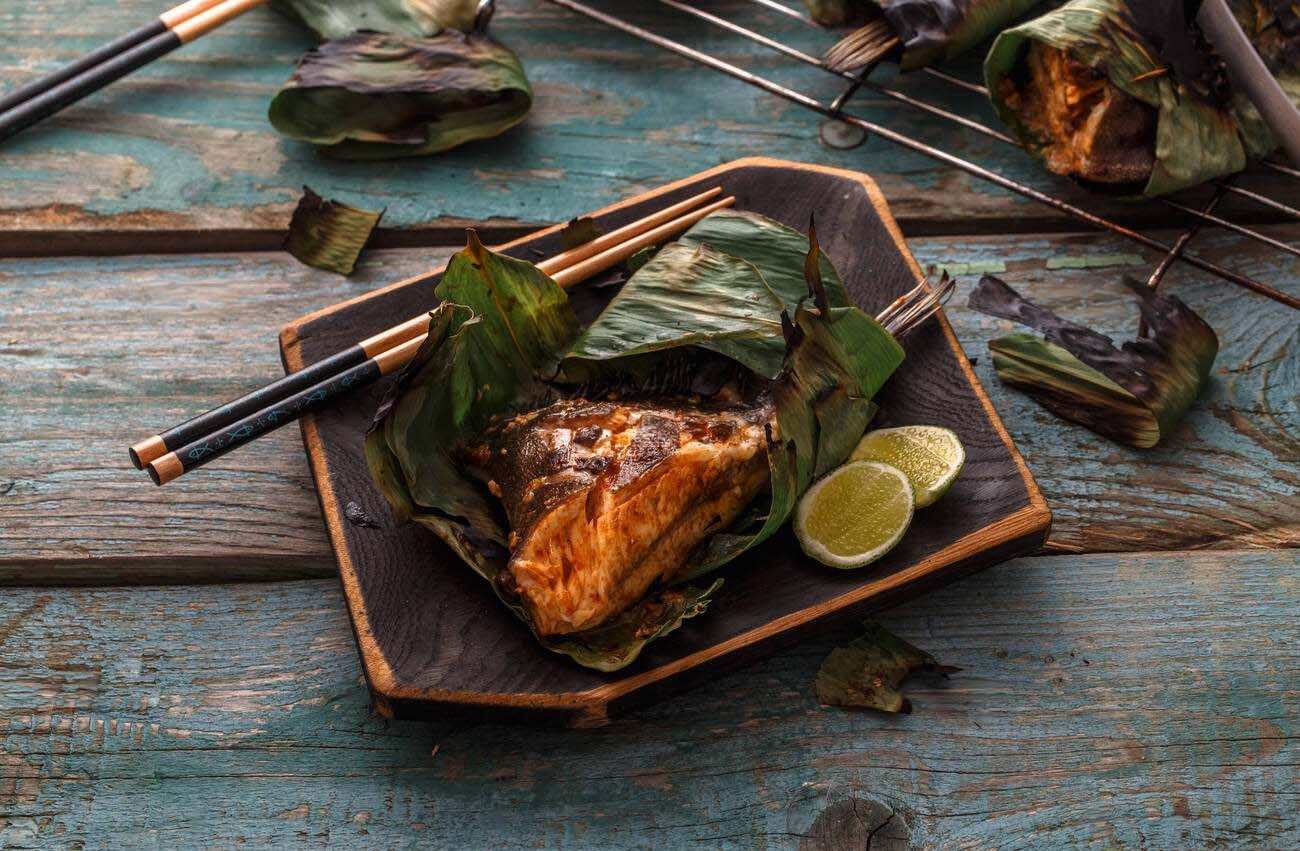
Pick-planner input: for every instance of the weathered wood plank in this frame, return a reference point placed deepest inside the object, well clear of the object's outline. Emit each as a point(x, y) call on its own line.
point(1106, 702)
point(180, 156)
point(143, 342)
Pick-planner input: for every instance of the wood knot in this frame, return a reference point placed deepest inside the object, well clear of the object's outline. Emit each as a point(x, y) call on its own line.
point(858, 823)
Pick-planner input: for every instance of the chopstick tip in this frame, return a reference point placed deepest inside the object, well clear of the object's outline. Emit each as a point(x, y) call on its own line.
point(163, 470)
point(147, 450)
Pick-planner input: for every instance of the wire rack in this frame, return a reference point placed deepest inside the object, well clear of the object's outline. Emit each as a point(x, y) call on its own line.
point(838, 109)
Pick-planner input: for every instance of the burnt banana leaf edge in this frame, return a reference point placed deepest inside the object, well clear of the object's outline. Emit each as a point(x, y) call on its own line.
point(1134, 394)
point(495, 346)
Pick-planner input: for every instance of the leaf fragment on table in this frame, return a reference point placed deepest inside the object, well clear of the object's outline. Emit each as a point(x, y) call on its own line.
point(867, 673)
point(369, 95)
point(1134, 394)
point(329, 234)
point(579, 231)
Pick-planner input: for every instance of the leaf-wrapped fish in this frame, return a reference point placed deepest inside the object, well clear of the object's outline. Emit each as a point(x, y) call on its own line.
point(1127, 96)
point(914, 33)
point(615, 498)
point(374, 95)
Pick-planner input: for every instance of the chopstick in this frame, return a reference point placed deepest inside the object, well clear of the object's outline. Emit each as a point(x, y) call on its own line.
point(192, 444)
point(41, 98)
point(157, 26)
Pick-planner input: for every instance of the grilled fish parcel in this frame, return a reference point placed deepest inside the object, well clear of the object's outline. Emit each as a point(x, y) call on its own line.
point(595, 475)
point(1127, 96)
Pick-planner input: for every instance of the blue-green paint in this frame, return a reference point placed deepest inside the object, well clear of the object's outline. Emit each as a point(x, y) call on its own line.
point(1142, 701)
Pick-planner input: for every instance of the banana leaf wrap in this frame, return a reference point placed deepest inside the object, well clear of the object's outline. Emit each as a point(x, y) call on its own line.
point(332, 19)
point(496, 345)
point(928, 31)
point(1134, 394)
point(373, 95)
point(838, 13)
point(1142, 104)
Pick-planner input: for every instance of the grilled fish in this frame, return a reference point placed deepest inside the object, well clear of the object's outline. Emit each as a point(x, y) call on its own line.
point(605, 499)
point(1089, 129)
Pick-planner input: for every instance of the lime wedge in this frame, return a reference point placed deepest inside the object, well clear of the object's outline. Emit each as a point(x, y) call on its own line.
point(930, 456)
point(855, 514)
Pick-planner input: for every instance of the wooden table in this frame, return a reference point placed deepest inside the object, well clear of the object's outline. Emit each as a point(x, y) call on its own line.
point(177, 665)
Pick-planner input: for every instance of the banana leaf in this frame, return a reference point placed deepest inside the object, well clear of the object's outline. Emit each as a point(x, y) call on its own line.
point(374, 96)
point(331, 19)
point(837, 13)
point(722, 286)
point(1134, 394)
point(494, 346)
point(1165, 118)
point(866, 673)
point(927, 32)
point(329, 234)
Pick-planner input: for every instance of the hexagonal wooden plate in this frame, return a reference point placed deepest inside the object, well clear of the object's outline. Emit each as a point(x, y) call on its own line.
point(435, 639)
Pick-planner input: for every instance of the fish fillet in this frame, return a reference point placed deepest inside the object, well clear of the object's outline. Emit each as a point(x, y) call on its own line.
point(1089, 129)
point(606, 499)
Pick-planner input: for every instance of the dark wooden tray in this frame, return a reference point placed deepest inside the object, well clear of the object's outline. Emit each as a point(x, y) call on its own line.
point(435, 640)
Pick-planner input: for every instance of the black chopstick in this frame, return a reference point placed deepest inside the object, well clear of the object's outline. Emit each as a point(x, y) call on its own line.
point(42, 98)
point(286, 410)
point(95, 57)
point(305, 380)
point(121, 44)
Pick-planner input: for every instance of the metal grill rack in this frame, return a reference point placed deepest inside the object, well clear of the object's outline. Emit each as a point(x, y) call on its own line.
point(838, 109)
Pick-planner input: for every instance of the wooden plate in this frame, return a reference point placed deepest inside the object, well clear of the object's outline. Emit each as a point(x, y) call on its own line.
point(434, 638)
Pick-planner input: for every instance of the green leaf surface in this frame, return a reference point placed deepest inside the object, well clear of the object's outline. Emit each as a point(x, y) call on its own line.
point(776, 251)
point(722, 286)
point(331, 19)
point(376, 96)
point(329, 234)
point(867, 672)
point(838, 13)
point(688, 296)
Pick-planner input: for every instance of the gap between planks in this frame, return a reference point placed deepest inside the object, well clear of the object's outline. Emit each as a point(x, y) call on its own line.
point(74, 242)
point(180, 570)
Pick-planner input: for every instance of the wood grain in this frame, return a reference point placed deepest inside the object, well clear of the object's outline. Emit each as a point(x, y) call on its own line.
point(1106, 701)
point(180, 156)
point(70, 503)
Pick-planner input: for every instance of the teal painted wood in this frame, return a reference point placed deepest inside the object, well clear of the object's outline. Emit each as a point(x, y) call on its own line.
point(183, 146)
point(147, 341)
point(1106, 702)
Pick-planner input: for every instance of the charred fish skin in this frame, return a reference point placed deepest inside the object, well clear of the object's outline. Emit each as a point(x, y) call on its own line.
point(607, 499)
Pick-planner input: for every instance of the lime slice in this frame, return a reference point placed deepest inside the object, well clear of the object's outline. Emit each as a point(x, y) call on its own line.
point(855, 514)
point(930, 456)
